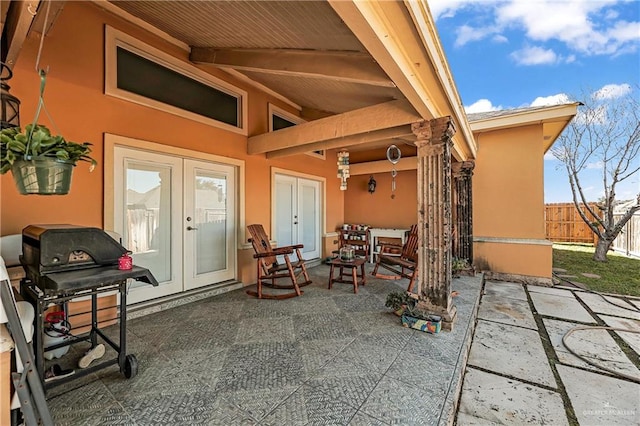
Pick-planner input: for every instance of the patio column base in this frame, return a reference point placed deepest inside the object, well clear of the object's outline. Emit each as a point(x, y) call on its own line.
point(448, 315)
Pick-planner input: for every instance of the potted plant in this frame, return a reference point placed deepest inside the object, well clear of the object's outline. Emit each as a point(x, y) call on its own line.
point(406, 307)
point(398, 301)
point(461, 267)
point(40, 162)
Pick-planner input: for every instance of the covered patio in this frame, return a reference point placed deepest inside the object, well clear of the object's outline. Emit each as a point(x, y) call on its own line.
point(329, 357)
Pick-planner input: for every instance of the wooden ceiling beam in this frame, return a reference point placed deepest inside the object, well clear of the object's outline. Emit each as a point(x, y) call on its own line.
point(345, 142)
point(55, 7)
point(351, 123)
point(351, 67)
point(20, 15)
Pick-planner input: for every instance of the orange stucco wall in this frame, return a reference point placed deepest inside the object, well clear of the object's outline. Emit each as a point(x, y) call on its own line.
point(508, 202)
point(379, 210)
point(75, 98)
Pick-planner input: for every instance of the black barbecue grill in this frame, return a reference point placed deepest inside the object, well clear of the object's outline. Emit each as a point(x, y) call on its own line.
point(64, 262)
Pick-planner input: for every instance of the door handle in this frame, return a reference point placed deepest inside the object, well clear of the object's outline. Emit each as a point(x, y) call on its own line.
point(191, 228)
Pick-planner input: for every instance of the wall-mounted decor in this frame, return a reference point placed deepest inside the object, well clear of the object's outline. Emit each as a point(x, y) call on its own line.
point(343, 169)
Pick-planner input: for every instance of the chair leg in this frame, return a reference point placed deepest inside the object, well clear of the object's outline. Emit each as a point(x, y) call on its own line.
point(293, 276)
point(413, 280)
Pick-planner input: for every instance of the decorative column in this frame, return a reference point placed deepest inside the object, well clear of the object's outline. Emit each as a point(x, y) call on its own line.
point(435, 218)
point(463, 238)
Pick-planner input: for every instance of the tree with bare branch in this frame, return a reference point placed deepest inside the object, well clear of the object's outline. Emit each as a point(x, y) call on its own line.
point(606, 133)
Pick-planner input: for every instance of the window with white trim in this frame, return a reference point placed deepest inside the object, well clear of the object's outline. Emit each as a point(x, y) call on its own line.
point(280, 119)
point(145, 75)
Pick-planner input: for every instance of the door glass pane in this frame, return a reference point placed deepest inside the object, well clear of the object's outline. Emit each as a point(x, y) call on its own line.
point(148, 217)
point(285, 199)
point(211, 222)
point(309, 218)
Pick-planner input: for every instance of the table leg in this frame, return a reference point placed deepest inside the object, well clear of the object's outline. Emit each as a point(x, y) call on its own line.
point(364, 277)
point(354, 274)
point(331, 276)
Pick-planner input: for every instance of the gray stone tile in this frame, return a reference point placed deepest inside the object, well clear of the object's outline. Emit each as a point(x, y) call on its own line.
point(595, 345)
point(258, 403)
point(370, 353)
point(178, 408)
point(550, 290)
point(323, 326)
point(346, 380)
point(632, 339)
point(394, 402)
point(262, 330)
point(507, 310)
point(600, 305)
point(560, 307)
point(492, 399)
point(361, 419)
point(599, 399)
point(512, 351)
point(434, 374)
point(260, 366)
point(502, 289)
point(311, 406)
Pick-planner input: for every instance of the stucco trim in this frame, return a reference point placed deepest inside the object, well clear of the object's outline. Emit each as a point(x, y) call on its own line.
point(499, 240)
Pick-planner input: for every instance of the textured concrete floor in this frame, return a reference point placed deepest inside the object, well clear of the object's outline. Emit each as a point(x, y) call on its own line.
point(330, 357)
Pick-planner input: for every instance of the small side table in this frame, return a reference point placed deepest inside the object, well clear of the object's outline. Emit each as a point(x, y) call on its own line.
point(353, 267)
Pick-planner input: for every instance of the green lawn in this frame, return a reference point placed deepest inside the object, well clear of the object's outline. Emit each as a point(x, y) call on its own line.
point(620, 275)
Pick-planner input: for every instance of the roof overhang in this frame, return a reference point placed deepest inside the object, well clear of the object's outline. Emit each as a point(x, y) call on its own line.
point(402, 38)
point(554, 119)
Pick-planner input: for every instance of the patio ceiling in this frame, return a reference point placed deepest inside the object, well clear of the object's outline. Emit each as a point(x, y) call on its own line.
point(335, 61)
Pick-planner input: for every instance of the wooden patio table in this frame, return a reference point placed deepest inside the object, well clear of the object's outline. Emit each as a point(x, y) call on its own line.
point(343, 275)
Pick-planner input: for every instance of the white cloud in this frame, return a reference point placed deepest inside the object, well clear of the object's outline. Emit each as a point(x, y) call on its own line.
point(612, 91)
point(448, 8)
point(587, 27)
point(499, 38)
point(559, 99)
point(481, 105)
point(549, 157)
point(534, 56)
point(465, 34)
point(596, 165)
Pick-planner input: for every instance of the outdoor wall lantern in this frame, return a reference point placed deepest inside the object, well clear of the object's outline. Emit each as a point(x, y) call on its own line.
point(372, 185)
point(10, 112)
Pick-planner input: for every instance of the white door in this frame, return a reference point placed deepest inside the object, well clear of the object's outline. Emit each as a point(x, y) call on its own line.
point(297, 214)
point(165, 210)
point(209, 223)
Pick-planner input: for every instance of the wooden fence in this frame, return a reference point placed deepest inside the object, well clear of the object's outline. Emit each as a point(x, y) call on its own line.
point(628, 241)
point(564, 224)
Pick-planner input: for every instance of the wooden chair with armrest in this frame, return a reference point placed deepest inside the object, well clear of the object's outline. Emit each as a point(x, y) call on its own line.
point(404, 264)
point(269, 270)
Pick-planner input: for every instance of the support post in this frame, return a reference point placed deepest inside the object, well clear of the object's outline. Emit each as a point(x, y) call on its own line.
point(435, 217)
point(463, 239)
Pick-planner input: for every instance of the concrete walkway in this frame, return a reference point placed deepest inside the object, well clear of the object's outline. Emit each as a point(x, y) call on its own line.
point(519, 370)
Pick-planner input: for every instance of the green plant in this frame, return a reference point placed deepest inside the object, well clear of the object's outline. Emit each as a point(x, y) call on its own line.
point(398, 299)
point(38, 142)
point(458, 265)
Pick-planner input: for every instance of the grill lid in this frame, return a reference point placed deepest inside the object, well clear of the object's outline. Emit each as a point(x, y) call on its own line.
point(63, 247)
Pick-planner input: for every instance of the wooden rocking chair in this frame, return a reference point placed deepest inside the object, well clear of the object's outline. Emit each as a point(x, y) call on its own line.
point(404, 265)
point(269, 270)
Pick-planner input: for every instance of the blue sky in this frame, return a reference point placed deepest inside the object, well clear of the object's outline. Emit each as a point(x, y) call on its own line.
point(515, 53)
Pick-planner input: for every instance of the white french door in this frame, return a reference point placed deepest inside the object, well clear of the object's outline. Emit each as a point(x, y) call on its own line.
point(177, 216)
point(297, 213)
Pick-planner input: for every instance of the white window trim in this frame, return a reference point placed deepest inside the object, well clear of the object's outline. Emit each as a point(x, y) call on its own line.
point(279, 112)
point(115, 38)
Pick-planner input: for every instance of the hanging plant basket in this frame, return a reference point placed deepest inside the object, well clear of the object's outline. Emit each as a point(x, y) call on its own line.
point(44, 176)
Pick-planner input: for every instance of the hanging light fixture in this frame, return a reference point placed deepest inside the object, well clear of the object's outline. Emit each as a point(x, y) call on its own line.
point(10, 112)
point(372, 184)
